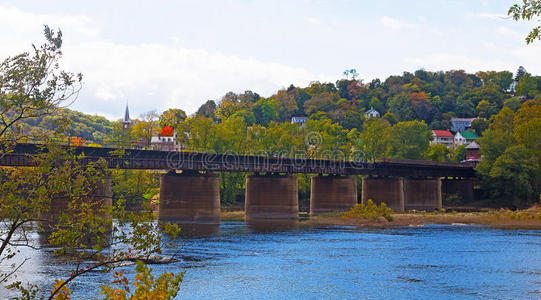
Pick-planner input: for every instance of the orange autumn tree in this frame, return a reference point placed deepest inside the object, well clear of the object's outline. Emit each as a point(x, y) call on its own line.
point(77, 141)
point(167, 131)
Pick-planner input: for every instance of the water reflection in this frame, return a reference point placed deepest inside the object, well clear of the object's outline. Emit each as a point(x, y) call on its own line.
point(267, 226)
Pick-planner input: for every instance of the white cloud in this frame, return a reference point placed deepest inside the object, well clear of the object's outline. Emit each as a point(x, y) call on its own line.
point(392, 23)
point(149, 76)
point(312, 20)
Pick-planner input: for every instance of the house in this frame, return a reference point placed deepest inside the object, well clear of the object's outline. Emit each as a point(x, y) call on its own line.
point(465, 137)
point(461, 124)
point(299, 120)
point(371, 113)
point(472, 152)
point(444, 137)
point(165, 141)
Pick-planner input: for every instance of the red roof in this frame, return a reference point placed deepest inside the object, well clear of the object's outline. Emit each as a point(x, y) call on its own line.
point(442, 133)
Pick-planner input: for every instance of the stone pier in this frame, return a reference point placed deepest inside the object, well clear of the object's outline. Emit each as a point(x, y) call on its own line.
point(189, 197)
point(271, 197)
point(59, 204)
point(461, 187)
point(422, 194)
point(332, 194)
point(384, 189)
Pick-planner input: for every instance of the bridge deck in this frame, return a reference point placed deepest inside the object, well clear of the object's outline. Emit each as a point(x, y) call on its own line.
point(163, 160)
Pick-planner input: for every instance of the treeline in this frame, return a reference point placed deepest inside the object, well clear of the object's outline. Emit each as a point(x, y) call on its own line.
point(94, 130)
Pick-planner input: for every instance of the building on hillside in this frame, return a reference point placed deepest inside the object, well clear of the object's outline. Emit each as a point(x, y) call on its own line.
point(126, 122)
point(461, 124)
point(472, 152)
point(371, 113)
point(465, 137)
point(299, 120)
point(513, 87)
point(166, 140)
point(444, 137)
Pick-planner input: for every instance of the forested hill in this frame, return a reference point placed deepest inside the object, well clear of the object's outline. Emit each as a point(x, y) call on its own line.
point(434, 97)
point(93, 129)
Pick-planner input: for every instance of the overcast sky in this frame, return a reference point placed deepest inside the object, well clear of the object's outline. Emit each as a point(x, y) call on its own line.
point(162, 54)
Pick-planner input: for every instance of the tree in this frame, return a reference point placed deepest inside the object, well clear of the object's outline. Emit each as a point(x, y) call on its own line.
point(265, 111)
point(480, 125)
point(208, 110)
point(144, 129)
point(409, 139)
point(511, 164)
point(351, 72)
point(172, 117)
point(527, 86)
point(33, 85)
point(528, 10)
point(437, 152)
point(286, 104)
point(513, 103)
point(374, 139)
point(483, 108)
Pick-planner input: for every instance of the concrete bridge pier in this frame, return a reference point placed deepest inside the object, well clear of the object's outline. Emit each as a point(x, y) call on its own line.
point(189, 197)
point(461, 187)
point(384, 189)
point(59, 204)
point(271, 197)
point(422, 194)
point(332, 194)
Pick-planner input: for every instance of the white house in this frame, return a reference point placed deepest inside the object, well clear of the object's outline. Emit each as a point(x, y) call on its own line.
point(165, 142)
point(371, 113)
point(465, 137)
point(444, 137)
point(299, 120)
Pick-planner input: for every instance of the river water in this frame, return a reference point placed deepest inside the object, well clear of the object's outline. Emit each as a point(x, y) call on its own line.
point(238, 261)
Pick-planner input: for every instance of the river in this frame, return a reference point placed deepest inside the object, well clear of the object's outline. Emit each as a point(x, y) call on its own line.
point(238, 261)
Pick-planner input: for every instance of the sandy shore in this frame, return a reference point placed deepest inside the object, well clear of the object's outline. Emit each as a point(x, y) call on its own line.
point(523, 219)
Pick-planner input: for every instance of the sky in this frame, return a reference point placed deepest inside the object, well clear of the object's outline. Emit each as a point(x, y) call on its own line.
point(164, 54)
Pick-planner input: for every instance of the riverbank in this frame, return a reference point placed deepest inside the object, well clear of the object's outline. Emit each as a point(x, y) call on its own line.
point(520, 219)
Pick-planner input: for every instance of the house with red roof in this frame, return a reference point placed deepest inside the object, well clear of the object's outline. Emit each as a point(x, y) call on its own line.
point(444, 137)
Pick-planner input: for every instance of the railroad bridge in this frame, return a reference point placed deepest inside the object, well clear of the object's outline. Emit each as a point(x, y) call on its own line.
point(193, 194)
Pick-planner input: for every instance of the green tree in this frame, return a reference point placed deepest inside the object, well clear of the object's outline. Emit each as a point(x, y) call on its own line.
point(172, 117)
point(513, 103)
point(483, 108)
point(437, 152)
point(410, 139)
point(374, 139)
point(144, 129)
point(480, 125)
point(265, 111)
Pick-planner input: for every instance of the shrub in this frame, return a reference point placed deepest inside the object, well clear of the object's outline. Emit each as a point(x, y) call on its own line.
point(370, 211)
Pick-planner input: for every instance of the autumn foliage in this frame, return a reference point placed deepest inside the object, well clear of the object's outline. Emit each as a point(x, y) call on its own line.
point(167, 131)
point(77, 141)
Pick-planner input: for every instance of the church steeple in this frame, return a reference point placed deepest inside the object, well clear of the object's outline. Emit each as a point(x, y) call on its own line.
point(126, 122)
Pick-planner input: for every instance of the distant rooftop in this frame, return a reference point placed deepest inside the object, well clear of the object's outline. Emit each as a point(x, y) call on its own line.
point(442, 133)
point(473, 145)
point(469, 135)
